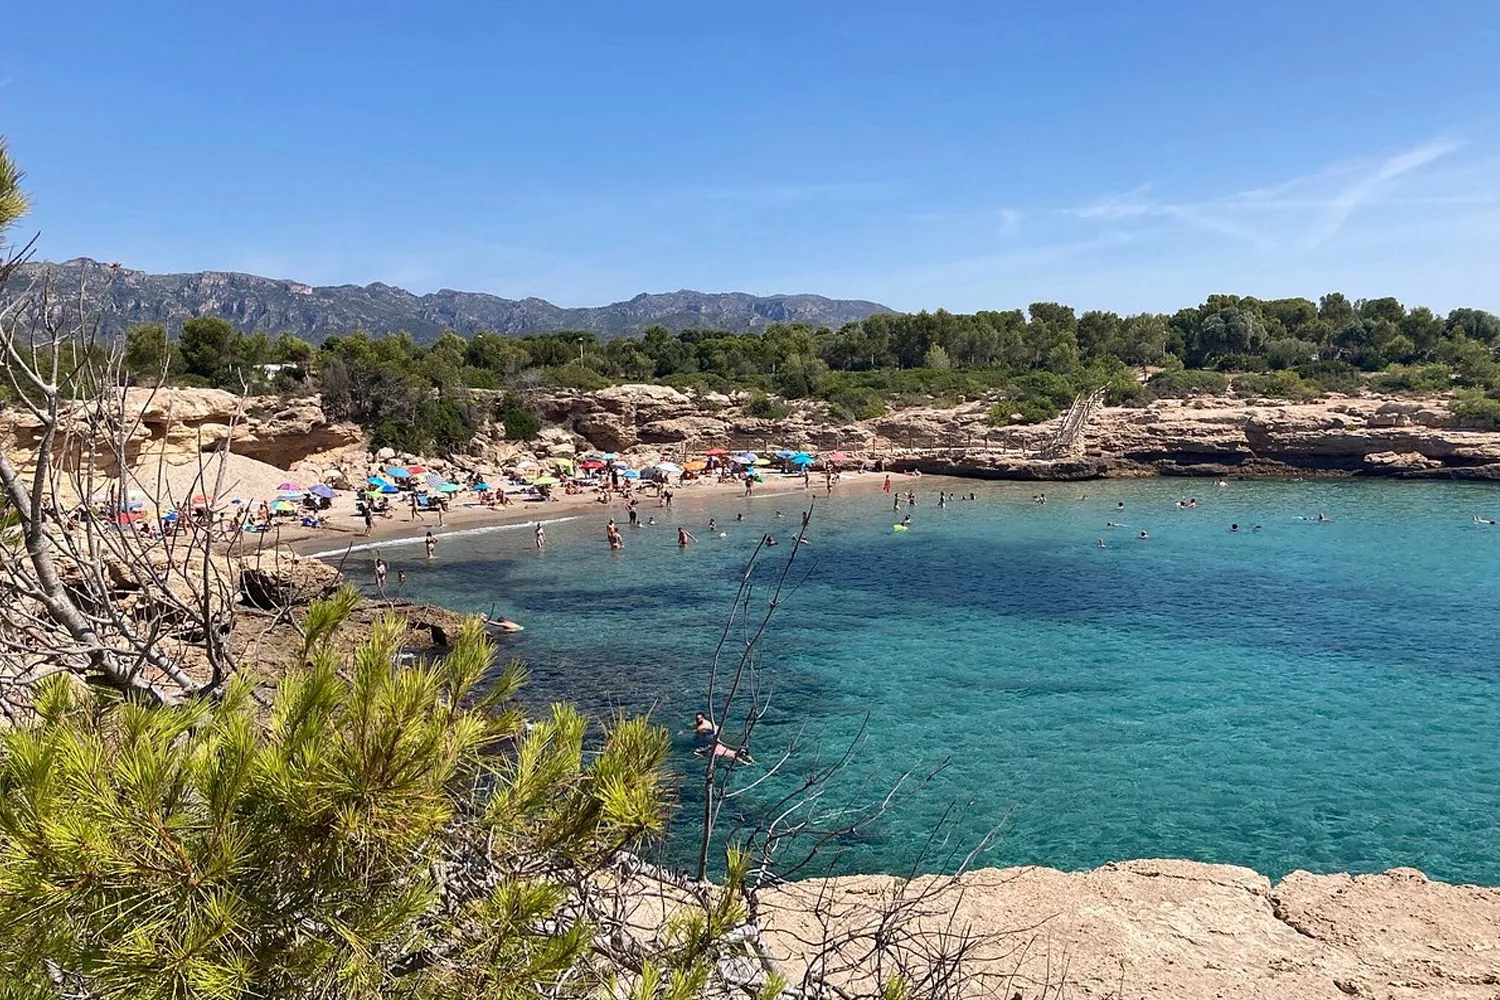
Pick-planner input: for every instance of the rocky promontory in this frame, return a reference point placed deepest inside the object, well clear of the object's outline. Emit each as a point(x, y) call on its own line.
point(1153, 928)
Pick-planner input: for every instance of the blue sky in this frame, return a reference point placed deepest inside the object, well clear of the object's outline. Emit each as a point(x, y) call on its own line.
point(1123, 155)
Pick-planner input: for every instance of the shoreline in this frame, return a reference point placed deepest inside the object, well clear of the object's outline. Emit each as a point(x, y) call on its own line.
point(331, 544)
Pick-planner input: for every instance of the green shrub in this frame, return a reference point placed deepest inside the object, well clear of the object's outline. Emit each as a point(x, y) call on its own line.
point(1275, 385)
point(857, 404)
point(1477, 407)
point(575, 376)
point(520, 420)
point(1185, 383)
point(761, 405)
point(1414, 378)
point(1333, 376)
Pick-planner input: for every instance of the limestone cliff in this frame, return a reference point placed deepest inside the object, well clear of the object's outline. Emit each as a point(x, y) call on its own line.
point(1176, 929)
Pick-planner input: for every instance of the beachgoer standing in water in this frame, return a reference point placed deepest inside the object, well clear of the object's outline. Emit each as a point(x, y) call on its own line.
point(702, 725)
point(380, 571)
point(431, 544)
point(887, 487)
point(684, 536)
point(541, 537)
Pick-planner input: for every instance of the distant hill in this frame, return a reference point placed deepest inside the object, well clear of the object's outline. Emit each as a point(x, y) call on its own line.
point(313, 312)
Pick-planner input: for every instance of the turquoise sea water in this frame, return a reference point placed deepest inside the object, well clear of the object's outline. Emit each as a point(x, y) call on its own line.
point(1312, 695)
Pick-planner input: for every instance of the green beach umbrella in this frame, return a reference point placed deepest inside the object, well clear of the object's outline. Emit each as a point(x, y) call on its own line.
point(544, 481)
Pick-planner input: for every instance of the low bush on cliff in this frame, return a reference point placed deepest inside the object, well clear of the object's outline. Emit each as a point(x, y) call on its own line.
point(1283, 384)
point(1183, 383)
point(519, 418)
point(765, 407)
point(1477, 407)
point(574, 375)
point(1414, 378)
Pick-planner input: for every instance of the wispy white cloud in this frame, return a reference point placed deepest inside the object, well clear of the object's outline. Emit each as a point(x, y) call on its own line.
point(1299, 213)
point(1369, 186)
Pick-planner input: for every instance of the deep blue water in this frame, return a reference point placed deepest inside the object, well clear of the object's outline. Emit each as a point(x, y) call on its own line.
point(1312, 695)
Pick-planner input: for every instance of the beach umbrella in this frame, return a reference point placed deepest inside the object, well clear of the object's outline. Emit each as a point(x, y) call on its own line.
point(396, 472)
point(290, 488)
point(610, 456)
point(631, 474)
point(416, 470)
point(801, 458)
point(135, 505)
point(544, 481)
point(433, 479)
point(562, 463)
point(202, 498)
point(591, 463)
point(282, 507)
point(320, 490)
point(668, 467)
point(449, 488)
point(127, 518)
point(696, 465)
point(748, 458)
point(761, 461)
point(526, 463)
point(838, 456)
point(716, 452)
point(784, 453)
point(482, 487)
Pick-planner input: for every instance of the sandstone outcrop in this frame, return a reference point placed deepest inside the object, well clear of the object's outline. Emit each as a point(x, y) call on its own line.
point(176, 425)
point(1175, 929)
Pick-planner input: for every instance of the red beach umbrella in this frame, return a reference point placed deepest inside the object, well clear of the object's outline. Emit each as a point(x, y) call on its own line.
point(715, 452)
point(416, 470)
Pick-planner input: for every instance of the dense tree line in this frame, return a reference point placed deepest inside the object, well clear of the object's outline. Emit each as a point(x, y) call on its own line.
point(414, 396)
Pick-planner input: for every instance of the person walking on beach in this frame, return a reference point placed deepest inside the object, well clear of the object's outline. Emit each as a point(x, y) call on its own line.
point(369, 516)
point(748, 484)
point(380, 572)
point(431, 544)
point(887, 487)
point(541, 537)
point(684, 536)
point(415, 513)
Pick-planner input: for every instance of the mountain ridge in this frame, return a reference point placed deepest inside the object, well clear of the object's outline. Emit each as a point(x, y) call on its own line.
point(123, 297)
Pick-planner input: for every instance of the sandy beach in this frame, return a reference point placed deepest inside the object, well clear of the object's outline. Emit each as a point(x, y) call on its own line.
point(343, 531)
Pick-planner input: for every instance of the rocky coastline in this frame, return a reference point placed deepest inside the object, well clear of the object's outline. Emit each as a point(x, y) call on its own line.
point(1207, 436)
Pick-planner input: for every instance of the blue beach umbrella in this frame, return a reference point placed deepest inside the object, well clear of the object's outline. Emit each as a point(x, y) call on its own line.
point(326, 492)
point(377, 481)
point(748, 458)
point(388, 488)
point(631, 474)
point(449, 488)
point(783, 453)
point(396, 472)
point(801, 458)
point(609, 456)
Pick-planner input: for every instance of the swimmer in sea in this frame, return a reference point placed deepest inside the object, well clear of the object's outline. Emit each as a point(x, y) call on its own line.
point(740, 516)
point(906, 521)
point(684, 536)
point(1234, 527)
point(1100, 542)
point(1144, 535)
point(1482, 520)
point(1111, 524)
point(651, 519)
point(1256, 528)
point(770, 539)
point(711, 525)
point(1322, 517)
point(1120, 505)
point(703, 726)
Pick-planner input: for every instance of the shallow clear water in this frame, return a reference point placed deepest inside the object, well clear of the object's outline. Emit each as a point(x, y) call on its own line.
point(1313, 695)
